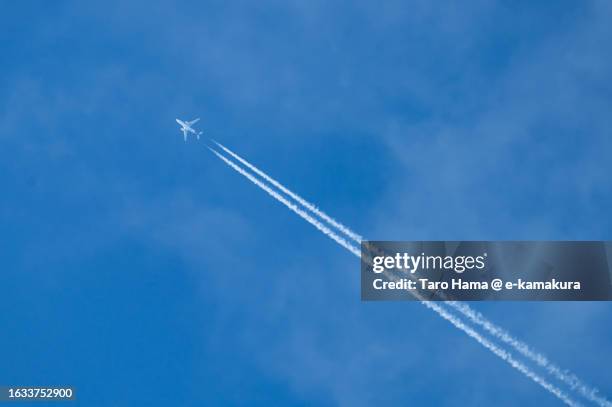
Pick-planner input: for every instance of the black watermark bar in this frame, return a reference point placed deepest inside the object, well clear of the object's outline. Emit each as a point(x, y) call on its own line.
point(486, 270)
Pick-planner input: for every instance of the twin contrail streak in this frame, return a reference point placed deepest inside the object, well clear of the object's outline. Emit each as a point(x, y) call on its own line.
point(566, 377)
point(501, 353)
point(347, 231)
point(304, 215)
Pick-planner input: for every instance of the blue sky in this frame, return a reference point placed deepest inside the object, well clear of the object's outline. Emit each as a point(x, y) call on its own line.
point(143, 271)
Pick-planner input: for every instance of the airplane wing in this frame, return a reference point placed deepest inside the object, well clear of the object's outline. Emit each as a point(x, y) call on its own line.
point(193, 121)
point(184, 134)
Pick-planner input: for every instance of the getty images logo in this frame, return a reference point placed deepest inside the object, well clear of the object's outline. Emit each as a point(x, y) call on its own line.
point(412, 263)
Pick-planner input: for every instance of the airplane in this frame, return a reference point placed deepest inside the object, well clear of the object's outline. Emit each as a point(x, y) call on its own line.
point(186, 128)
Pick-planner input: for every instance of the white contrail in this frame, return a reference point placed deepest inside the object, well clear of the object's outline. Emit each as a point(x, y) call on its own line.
point(566, 377)
point(293, 195)
point(504, 355)
point(341, 241)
